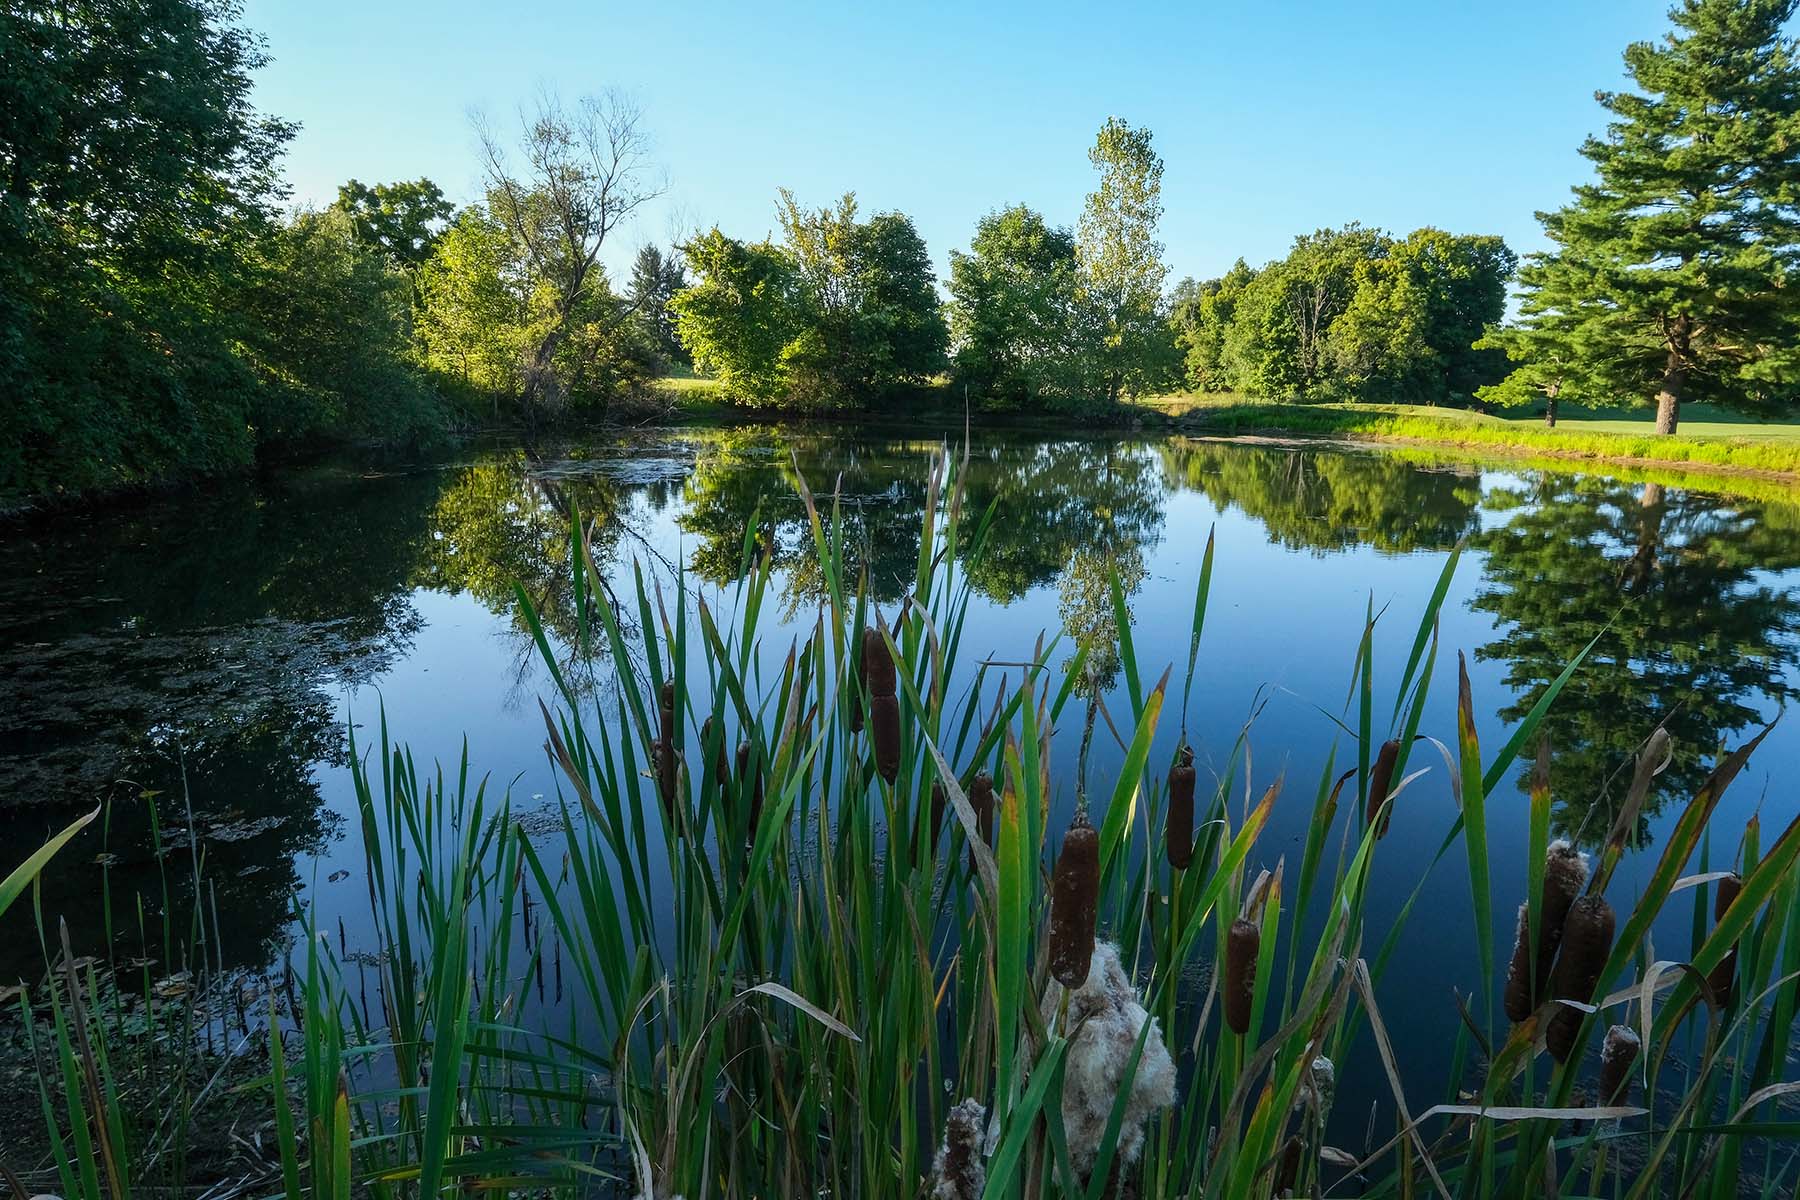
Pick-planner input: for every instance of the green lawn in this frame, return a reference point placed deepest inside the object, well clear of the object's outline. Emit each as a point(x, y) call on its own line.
point(1708, 439)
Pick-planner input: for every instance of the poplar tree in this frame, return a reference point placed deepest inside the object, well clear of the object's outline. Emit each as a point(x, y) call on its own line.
point(1672, 276)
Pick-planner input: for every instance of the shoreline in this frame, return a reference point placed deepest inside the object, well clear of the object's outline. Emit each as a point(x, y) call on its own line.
point(1474, 449)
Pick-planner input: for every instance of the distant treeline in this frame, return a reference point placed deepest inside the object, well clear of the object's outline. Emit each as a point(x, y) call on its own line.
point(161, 314)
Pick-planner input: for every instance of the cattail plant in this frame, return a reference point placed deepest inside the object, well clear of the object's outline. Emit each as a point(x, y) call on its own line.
point(1287, 1168)
point(665, 750)
point(721, 760)
point(1075, 889)
point(884, 706)
point(859, 686)
point(877, 664)
point(960, 1172)
point(750, 787)
point(1242, 945)
point(1618, 1053)
point(884, 724)
point(1565, 870)
point(1178, 831)
point(1105, 1020)
point(1723, 974)
point(1586, 941)
point(981, 799)
point(938, 801)
point(1381, 778)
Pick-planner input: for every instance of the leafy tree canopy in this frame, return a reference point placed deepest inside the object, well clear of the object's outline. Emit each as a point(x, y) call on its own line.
point(1671, 273)
point(402, 220)
point(1014, 311)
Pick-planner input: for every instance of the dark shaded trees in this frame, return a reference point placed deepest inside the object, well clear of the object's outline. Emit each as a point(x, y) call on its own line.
point(329, 337)
point(135, 180)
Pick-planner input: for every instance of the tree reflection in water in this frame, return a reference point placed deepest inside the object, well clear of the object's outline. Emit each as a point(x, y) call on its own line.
point(217, 633)
point(1693, 634)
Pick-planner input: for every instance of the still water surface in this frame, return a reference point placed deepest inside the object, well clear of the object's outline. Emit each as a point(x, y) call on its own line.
point(210, 651)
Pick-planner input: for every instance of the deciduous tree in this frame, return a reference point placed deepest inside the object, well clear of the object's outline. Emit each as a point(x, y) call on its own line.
point(403, 220)
point(1130, 348)
point(586, 169)
point(1014, 301)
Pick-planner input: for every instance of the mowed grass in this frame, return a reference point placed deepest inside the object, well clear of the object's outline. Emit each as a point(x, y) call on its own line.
point(1707, 438)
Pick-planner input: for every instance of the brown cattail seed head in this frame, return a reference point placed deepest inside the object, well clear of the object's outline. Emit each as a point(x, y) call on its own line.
point(878, 664)
point(1518, 995)
point(1586, 941)
point(1381, 779)
point(981, 799)
point(1074, 891)
point(1617, 1055)
point(1724, 972)
point(1528, 979)
point(1242, 945)
point(1178, 832)
point(721, 759)
point(938, 801)
point(857, 688)
point(665, 749)
point(960, 1172)
point(750, 787)
point(1287, 1172)
point(884, 725)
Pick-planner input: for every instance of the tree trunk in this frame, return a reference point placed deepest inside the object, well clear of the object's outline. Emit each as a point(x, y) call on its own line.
point(1642, 566)
point(1668, 399)
point(1550, 410)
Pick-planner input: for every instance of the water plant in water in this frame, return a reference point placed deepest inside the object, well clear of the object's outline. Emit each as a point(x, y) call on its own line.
point(779, 975)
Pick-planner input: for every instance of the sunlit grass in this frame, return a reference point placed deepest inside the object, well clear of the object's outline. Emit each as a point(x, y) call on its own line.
point(1706, 445)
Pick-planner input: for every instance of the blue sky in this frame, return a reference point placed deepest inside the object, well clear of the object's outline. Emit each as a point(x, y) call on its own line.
point(1273, 118)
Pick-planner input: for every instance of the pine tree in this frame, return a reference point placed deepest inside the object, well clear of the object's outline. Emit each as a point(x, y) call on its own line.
point(1673, 274)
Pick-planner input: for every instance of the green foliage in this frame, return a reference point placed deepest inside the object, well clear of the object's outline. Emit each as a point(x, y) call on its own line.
point(1015, 312)
point(1671, 276)
point(156, 319)
point(403, 220)
point(1128, 345)
point(1351, 314)
point(472, 317)
point(740, 316)
point(655, 280)
point(1278, 345)
point(841, 313)
point(135, 180)
point(868, 302)
point(486, 315)
point(585, 171)
point(1409, 334)
point(331, 320)
point(1202, 316)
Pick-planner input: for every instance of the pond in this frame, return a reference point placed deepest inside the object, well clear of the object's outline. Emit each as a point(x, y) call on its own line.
point(200, 658)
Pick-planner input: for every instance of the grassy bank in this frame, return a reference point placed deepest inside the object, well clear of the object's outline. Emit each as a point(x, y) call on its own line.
point(810, 924)
point(1713, 445)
